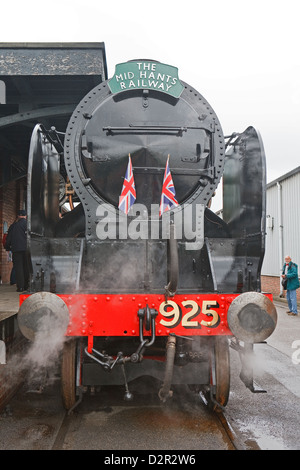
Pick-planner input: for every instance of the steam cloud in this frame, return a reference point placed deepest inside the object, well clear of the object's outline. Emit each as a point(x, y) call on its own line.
point(38, 364)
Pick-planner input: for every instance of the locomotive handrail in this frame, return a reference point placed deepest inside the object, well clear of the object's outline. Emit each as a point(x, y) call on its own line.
point(231, 137)
point(56, 141)
point(209, 126)
point(133, 128)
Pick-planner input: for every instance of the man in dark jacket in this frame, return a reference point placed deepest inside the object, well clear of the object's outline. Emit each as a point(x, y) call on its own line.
point(290, 272)
point(16, 242)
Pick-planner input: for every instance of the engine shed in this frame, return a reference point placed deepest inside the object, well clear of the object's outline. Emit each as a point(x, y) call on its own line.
point(39, 83)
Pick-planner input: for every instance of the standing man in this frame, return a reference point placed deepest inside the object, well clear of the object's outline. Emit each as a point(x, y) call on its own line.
point(290, 272)
point(16, 242)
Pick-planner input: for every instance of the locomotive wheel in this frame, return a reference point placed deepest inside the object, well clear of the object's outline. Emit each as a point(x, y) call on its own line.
point(68, 374)
point(220, 373)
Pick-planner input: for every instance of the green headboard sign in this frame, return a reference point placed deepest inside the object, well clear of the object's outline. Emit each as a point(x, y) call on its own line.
point(148, 75)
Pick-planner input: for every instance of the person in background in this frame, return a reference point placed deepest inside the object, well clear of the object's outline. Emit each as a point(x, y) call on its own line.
point(290, 272)
point(9, 259)
point(16, 242)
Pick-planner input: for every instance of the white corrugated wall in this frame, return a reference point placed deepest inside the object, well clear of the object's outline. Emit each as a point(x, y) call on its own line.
point(282, 228)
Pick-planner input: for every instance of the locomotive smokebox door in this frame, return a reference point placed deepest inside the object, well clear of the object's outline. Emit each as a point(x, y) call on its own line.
point(148, 116)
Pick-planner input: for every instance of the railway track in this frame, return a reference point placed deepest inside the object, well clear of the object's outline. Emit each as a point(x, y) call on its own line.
point(184, 422)
point(222, 436)
point(236, 442)
point(104, 421)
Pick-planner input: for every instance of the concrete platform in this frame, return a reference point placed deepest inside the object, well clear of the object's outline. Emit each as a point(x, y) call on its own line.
point(9, 301)
point(287, 329)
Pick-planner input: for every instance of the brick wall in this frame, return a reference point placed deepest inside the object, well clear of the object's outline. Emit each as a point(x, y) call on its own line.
point(12, 198)
point(272, 284)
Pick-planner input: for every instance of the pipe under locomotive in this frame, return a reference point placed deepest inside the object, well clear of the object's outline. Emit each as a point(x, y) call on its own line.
point(142, 291)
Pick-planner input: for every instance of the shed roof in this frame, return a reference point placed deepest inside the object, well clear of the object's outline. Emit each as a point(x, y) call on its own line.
point(41, 83)
point(284, 177)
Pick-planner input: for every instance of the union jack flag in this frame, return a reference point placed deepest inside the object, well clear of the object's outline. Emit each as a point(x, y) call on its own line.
point(128, 193)
point(168, 199)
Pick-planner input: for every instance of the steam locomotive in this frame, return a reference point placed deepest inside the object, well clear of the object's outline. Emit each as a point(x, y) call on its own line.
point(143, 278)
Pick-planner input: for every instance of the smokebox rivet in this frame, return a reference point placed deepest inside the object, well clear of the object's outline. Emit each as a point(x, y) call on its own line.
point(107, 298)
